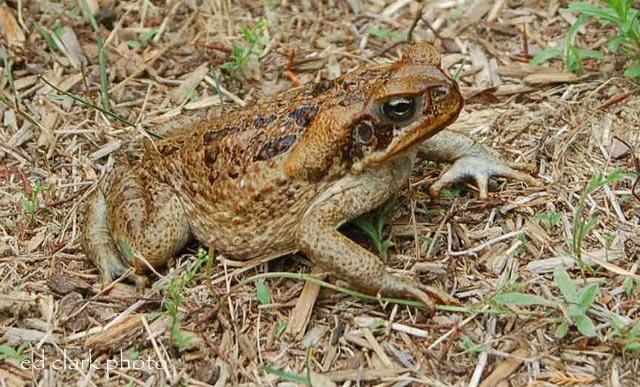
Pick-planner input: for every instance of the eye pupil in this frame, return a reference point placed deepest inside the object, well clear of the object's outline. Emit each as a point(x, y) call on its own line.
point(399, 109)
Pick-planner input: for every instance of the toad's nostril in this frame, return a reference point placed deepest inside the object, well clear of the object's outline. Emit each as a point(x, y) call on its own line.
point(440, 92)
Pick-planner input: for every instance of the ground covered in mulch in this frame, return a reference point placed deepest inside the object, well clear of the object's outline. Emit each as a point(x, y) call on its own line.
point(166, 64)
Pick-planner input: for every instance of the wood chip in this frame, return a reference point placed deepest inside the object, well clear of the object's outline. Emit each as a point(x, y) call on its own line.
point(246, 347)
point(519, 70)
point(366, 322)
point(17, 336)
point(188, 86)
point(16, 303)
point(301, 314)
point(12, 32)
point(105, 150)
point(223, 375)
point(506, 368)
point(479, 59)
point(70, 81)
point(69, 45)
point(319, 380)
point(598, 257)
point(549, 78)
point(363, 374)
point(377, 348)
point(495, 11)
point(395, 7)
point(34, 243)
point(506, 90)
point(9, 379)
point(473, 13)
point(24, 82)
point(312, 338)
point(355, 5)
point(118, 336)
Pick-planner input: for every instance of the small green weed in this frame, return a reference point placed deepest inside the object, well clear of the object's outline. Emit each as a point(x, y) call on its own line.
point(573, 55)
point(263, 294)
point(574, 307)
point(386, 34)
point(16, 354)
point(458, 11)
point(429, 213)
point(174, 296)
point(625, 17)
point(623, 329)
point(577, 302)
point(452, 192)
point(144, 39)
point(132, 352)
point(374, 228)
point(552, 218)
point(522, 249)
point(471, 346)
point(630, 282)
point(582, 225)
point(619, 13)
point(282, 327)
point(31, 203)
point(244, 57)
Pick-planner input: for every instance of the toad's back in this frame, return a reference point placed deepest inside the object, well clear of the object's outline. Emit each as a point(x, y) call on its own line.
point(228, 173)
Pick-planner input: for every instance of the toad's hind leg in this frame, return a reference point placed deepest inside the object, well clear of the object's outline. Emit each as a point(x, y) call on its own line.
point(132, 219)
point(319, 239)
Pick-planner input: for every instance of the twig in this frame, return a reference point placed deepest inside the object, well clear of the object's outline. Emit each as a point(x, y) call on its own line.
point(487, 243)
point(89, 104)
point(415, 22)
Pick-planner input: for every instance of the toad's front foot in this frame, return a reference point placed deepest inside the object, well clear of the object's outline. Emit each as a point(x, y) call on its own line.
point(481, 169)
point(469, 160)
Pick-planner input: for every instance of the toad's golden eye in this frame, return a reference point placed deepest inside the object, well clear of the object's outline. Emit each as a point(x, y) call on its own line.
point(399, 109)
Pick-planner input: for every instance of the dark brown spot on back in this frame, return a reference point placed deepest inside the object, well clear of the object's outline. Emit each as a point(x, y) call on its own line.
point(275, 147)
point(322, 87)
point(167, 149)
point(260, 121)
point(210, 156)
point(303, 116)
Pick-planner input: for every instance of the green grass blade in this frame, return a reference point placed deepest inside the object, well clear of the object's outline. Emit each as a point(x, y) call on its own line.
point(288, 376)
point(515, 298)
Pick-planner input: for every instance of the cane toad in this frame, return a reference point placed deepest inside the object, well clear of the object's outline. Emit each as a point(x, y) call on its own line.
point(284, 174)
